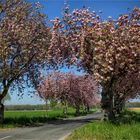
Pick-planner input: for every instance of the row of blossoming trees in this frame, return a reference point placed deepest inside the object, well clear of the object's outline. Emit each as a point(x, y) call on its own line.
point(69, 89)
point(107, 50)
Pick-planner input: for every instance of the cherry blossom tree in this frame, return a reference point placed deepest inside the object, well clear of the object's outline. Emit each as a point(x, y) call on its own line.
point(70, 89)
point(89, 91)
point(84, 92)
point(47, 88)
point(24, 39)
point(108, 50)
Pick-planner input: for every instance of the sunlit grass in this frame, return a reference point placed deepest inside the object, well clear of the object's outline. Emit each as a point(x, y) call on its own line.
point(106, 131)
point(127, 129)
point(32, 118)
point(35, 118)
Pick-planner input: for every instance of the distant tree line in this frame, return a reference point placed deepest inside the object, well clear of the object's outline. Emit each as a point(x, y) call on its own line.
point(32, 107)
point(25, 107)
point(133, 104)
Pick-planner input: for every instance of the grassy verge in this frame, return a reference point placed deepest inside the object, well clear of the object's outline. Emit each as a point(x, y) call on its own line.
point(106, 131)
point(97, 130)
point(34, 118)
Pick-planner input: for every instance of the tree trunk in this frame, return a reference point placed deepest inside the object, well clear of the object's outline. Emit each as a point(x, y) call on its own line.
point(46, 105)
point(77, 110)
point(1, 112)
point(87, 109)
point(119, 106)
point(65, 110)
point(2, 95)
point(107, 104)
point(111, 105)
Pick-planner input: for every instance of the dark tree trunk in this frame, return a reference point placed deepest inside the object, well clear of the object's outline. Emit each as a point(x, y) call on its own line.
point(107, 104)
point(1, 112)
point(6, 86)
point(46, 105)
point(119, 106)
point(87, 108)
point(111, 105)
point(77, 110)
point(4, 93)
point(65, 110)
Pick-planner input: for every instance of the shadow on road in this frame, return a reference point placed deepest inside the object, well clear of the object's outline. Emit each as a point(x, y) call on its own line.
point(82, 119)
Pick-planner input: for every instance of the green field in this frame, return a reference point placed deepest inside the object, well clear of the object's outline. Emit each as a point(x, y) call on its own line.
point(30, 114)
point(128, 129)
point(35, 118)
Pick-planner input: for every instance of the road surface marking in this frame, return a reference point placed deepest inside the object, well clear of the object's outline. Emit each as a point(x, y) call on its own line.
point(5, 137)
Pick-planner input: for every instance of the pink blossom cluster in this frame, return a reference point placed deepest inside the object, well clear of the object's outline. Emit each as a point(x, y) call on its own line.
point(75, 90)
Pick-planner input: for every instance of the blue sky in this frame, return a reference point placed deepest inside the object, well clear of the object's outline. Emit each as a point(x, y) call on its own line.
point(53, 8)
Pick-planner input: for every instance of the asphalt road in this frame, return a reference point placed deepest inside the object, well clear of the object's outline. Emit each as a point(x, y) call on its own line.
point(53, 130)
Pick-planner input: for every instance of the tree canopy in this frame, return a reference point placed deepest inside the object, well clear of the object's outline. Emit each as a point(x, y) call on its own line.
point(109, 50)
point(23, 43)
